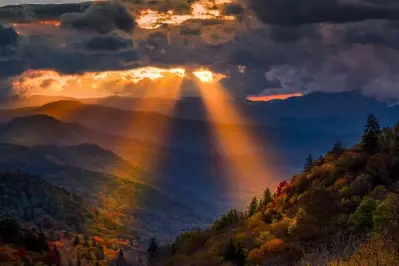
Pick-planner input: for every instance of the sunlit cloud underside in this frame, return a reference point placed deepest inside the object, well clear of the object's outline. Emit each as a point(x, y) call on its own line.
point(90, 84)
point(200, 10)
point(266, 98)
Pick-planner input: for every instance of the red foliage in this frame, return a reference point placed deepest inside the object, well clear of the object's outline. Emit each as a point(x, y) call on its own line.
point(53, 257)
point(280, 188)
point(21, 252)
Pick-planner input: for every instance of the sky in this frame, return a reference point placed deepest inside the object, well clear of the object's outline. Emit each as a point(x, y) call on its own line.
point(18, 2)
point(260, 47)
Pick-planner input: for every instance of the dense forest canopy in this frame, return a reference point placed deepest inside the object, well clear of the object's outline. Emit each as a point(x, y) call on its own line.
point(342, 209)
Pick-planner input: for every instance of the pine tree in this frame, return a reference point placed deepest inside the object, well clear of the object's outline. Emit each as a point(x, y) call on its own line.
point(253, 206)
point(120, 261)
point(338, 148)
point(42, 240)
point(152, 247)
point(230, 251)
point(76, 241)
point(267, 197)
point(371, 135)
point(78, 262)
point(309, 163)
point(173, 249)
point(240, 257)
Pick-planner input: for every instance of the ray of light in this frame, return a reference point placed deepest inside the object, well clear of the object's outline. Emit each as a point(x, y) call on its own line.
point(245, 161)
point(266, 98)
point(154, 129)
point(145, 159)
point(200, 10)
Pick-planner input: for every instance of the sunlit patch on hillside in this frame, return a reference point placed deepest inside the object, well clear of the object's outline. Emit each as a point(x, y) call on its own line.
point(200, 10)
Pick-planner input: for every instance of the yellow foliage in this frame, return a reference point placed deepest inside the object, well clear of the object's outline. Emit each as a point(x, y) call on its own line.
point(267, 250)
point(280, 228)
point(256, 221)
point(377, 251)
point(265, 236)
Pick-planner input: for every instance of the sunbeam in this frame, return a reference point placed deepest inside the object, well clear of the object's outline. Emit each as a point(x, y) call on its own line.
point(244, 160)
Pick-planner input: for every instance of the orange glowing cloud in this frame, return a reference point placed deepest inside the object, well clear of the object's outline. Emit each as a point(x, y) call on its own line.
point(200, 10)
point(207, 76)
point(89, 84)
point(55, 23)
point(266, 98)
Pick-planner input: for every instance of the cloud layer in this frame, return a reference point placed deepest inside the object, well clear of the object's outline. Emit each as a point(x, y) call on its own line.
point(294, 46)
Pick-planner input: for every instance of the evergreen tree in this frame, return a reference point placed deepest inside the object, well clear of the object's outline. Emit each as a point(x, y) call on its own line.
point(309, 163)
point(42, 240)
point(321, 160)
point(152, 247)
point(253, 206)
point(121, 261)
point(230, 251)
point(372, 130)
point(76, 241)
point(267, 197)
point(362, 219)
point(78, 262)
point(240, 257)
point(338, 148)
point(173, 249)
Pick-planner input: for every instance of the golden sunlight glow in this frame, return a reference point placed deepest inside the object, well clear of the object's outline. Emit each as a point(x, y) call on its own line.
point(208, 76)
point(266, 98)
point(200, 10)
point(55, 23)
point(245, 162)
point(90, 84)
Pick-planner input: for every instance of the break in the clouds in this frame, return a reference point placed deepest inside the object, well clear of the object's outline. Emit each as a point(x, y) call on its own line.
point(270, 45)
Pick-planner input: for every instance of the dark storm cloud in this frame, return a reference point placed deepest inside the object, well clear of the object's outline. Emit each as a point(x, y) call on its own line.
point(8, 36)
point(101, 17)
point(108, 43)
point(233, 9)
point(293, 34)
point(77, 54)
point(288, 55)
point(296, 12)
point(374, 33)
point(23, 13)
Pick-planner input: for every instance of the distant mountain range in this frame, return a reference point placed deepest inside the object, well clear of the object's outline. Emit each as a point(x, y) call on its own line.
point(94, 174)
point(85, 146)
point(311, 107)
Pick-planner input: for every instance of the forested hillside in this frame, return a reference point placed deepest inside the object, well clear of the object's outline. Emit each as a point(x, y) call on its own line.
point(342, 209)
point(41, 223)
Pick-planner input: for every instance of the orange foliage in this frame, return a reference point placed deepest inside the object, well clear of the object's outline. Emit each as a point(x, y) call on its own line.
point(267, 250)
point(98, 239)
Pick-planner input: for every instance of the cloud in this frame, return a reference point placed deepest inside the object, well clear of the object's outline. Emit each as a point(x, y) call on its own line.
point(25, 13)
point(108, 43)
point(8, 36)
point(293, 34)
point(233, 9)
point(286, 55)
point(297, 12)
point(101, 17)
